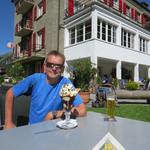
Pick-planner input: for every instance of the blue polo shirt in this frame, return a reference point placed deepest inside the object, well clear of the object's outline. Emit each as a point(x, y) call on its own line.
point(44, 96)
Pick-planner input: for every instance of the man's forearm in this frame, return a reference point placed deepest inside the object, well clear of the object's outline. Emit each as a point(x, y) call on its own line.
point(8, 107)
point(78, 111)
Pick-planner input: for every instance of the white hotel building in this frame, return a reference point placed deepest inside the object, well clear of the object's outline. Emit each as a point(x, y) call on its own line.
point(114, 34)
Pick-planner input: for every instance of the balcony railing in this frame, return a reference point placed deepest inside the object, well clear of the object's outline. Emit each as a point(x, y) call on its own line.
point(82, 4)
point(24, 53)
point(147, 25)
point(37, 51)
point(24, 28)
point(18, 56)
point(24, 6)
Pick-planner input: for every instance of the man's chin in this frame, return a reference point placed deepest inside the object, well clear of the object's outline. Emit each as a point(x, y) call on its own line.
point(53, 76)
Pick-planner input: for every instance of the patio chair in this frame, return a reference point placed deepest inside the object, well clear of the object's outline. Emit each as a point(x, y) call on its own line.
point(20, 109)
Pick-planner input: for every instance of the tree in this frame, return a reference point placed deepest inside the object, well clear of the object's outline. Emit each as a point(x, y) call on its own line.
point(15, 71)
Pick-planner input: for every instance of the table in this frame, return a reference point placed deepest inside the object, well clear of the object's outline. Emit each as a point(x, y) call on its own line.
point(131, 134)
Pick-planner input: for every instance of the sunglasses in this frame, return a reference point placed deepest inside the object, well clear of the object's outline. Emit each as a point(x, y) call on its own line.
point(52, 65)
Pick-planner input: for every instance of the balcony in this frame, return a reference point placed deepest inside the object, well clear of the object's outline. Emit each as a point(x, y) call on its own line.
point(24, 6)
point(82, 4)
point(39, 50)
point(23, 28)
point(24, 54)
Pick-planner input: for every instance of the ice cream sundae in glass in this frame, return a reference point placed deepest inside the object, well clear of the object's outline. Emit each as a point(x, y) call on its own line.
point(68, 93)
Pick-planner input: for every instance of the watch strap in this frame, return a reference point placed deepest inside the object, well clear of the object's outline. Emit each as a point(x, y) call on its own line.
point(54, 113)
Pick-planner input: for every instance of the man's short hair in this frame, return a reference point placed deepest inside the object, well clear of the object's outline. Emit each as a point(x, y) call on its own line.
point(55, 53)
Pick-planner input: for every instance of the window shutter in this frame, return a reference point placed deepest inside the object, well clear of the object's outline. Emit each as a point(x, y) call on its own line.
point(30, 17)
point(43, 37)
point(30, 46)
point(135, 13)
point(70, 7)
point(111, 3)
point(44, 6)
point(132, 13)
point(124, 9)
point(120, 5)
point(143, 19)
point(105, 1)
point(35, 13)
point(34, 41)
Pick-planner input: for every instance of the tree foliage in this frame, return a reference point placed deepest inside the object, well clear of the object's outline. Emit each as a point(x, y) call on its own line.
point(15, 71)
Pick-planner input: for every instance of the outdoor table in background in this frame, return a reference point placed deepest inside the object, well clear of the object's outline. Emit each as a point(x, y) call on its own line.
point(131, 134)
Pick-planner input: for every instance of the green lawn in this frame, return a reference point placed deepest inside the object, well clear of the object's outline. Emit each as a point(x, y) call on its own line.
point(132, 111)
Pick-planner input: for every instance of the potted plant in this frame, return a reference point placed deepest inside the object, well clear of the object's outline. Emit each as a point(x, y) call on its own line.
point(83, 72)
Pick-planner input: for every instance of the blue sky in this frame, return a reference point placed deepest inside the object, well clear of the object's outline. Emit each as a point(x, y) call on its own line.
point(7, 24)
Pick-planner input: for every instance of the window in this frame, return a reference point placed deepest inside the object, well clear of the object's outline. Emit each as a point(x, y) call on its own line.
point(87, 29)
point(143, 45)
point(80, 32)
point(103, 31)
point(25, 43)
point(99, 29)
point(116, 5)
point(127, 39)
point(128, 11)
point(78, 6)
point(72, 36)
point(114, 34)
point(106, 31)
point(40, 9)
point(109, 33)
point(39, 40)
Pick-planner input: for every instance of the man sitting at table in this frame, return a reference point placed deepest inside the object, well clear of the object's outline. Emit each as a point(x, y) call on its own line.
point(44, 88)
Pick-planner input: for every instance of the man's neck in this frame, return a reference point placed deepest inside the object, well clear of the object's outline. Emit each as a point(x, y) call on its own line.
point(52, 80)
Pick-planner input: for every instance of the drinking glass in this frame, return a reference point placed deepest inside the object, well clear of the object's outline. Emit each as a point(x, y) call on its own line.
point(67, 123)
point(111, 105)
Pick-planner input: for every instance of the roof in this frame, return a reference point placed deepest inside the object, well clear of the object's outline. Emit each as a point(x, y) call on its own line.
point(139, 3)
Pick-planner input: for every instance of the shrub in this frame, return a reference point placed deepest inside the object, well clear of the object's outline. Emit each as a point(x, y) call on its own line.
point(83, 72)
point(131, 85)
point(1, 79)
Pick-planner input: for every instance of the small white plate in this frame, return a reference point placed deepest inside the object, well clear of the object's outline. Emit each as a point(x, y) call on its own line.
point(67, 125)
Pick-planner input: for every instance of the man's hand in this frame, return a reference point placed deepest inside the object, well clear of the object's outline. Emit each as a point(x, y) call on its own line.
point(79, 111)
point(49, 116)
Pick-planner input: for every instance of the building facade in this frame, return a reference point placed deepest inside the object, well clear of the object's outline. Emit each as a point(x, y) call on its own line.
point(38, 30)
point(113, 34)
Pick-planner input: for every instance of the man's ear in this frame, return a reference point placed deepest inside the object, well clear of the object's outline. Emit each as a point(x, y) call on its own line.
point(62, 70)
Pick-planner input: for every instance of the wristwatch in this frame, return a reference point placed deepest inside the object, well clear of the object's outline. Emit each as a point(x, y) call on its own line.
point(54, 114)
